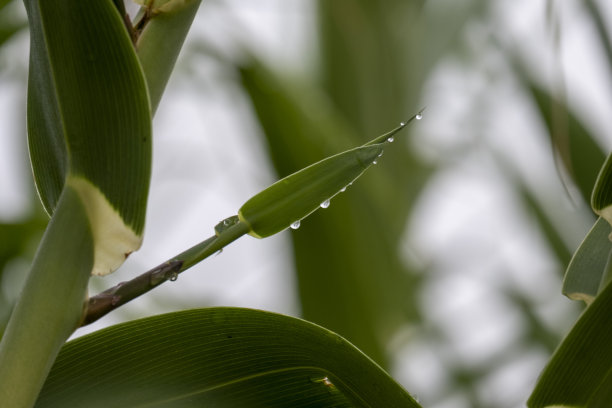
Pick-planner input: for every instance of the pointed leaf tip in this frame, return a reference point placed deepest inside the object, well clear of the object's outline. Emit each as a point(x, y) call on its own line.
point(299, 194)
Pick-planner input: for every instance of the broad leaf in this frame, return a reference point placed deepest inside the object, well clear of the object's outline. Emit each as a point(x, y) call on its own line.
point(89, 122)
point(221, 357)
point(583, 362)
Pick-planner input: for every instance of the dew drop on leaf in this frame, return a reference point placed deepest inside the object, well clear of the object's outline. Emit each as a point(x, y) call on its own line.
point(325, 204)
point(418, 116)
point(391, 139)
point(295, 225)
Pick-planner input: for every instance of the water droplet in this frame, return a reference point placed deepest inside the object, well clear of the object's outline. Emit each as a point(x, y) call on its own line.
point(375, 162)
point(381, 153)
point(343, 189)
point(403, 124)
point(295, 225)
point(418, 116)
point(325, 204)
point(227, 222)
point(390, 139)
point(173, 277)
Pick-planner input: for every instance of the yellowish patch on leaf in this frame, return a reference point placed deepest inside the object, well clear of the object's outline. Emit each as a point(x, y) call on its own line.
point(606, 214)
point(588, 299)
point(113, 239)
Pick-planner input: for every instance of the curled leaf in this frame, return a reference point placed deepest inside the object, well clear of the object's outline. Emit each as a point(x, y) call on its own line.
point(89, 120)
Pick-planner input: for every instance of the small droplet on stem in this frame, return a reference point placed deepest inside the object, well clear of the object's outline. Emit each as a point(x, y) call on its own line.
point(419, 116)
point(390, 139)
point(174, 277)
point(295, 225)
point(325, 203)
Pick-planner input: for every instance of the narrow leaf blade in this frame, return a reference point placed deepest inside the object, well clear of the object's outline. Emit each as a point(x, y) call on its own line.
point(161, 40)
point(299, 194)
point(89, 120)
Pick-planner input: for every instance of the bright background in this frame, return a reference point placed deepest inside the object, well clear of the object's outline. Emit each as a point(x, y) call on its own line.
point(484, 267)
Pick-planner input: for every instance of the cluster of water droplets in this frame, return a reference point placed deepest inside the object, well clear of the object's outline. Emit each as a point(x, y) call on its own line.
point(325, 204)
point(376, 160)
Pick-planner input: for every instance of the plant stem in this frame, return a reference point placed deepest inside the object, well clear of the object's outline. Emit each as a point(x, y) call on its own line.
point(112, 298)
point(50, 305)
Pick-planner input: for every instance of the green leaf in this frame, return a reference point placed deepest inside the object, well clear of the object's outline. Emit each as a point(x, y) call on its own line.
point(298, 195)
point(161, 40)
point(582, 363)
point(89, 122)
point(361, 272)
point(601, 201)
point(578, 150)
point(585, 270)
point(10, 22)
point(221, 357)
point(50, 305)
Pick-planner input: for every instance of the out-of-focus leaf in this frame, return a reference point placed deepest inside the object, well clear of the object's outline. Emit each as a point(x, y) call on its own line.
point(582, 363)
point(585, 271)
point(221, 357)
point(89, 122)
point(15, 239)
point(355, 283)
point(596, 15)
point(601, 201)
point(580, 154)
point(10, 22)
point(161, 40)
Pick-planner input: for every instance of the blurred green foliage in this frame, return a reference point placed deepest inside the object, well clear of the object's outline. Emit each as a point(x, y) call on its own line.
point(374, 60)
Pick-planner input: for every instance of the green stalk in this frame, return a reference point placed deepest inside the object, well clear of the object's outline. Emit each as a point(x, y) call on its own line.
point(105, 302)
point(50, 306)
point(166, 24)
